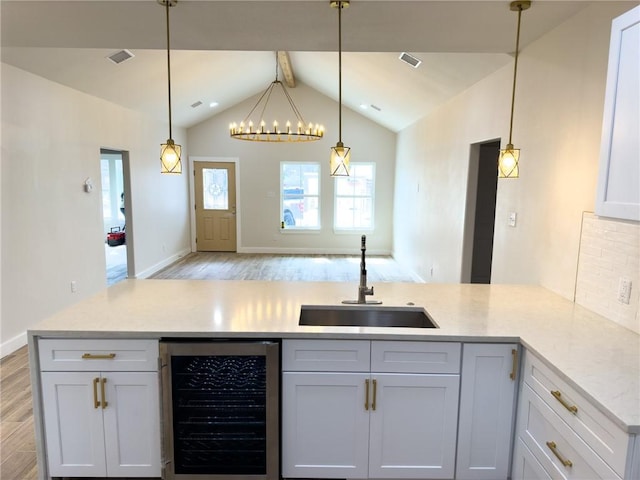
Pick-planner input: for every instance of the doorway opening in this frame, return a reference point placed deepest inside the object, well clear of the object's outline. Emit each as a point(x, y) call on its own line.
point(114, 174)
point(480, 212)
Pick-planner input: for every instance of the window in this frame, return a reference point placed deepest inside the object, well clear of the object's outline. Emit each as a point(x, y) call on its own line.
point(354, 198)
point(300, 195)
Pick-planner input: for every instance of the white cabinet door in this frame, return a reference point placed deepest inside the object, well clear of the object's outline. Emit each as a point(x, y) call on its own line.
point(73, 424)
point(618, 193)
point(131, 426)
point(486, 411)
point(325, 426)
point(413, 426)
point(526, 466)
point(88, 439)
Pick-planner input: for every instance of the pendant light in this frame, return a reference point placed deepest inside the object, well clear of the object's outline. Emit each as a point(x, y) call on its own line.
point(340, 155)
point(509, 156)
point(169, 152)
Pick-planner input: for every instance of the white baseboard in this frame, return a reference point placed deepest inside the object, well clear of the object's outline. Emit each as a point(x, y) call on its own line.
point(13, 344)
point(310, 251)
point(164, 263)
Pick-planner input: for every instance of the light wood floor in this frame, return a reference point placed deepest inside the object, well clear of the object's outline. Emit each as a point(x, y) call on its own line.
point(17, 440)
point(311, 268)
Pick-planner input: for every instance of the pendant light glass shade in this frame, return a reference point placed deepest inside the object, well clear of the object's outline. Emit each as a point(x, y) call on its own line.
point(340, 155)
point(170, 157)
point(339, 161)
point(509, 156)
point(508, 162)
point(170, 153)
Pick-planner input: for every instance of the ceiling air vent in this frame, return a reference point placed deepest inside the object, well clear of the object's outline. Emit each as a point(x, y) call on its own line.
point(410, 59)
point(120, 56)
point(196, 104)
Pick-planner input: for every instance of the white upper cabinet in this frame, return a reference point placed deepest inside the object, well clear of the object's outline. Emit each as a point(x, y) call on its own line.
point(618, 193)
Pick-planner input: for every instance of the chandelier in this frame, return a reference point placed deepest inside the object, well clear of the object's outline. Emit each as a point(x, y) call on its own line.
point(254, 128)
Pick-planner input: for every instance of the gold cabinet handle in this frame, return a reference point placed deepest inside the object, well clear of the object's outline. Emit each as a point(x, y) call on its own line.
point(366, 394)
point(102, 394)
point(94, 356)
point(553, 447)
point(375, 392)
point(558, 396)
point(514, 364)
point(96, 402)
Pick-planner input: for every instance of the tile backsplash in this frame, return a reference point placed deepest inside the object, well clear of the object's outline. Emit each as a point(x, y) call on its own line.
point(609, 252)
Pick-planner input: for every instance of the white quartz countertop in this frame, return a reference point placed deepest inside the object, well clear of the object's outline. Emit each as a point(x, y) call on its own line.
point(598, 357)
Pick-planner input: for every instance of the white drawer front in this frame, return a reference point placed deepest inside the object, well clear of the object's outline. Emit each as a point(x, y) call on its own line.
point(326, 355)
point(415, 357)
point(598, 431)
point(98, 355)
point(553, 443)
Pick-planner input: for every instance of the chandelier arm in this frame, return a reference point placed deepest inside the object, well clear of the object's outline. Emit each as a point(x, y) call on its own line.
point(258, 102)
point(292, 105)
point(515, 73)
point(168, 67)
point(266, 102)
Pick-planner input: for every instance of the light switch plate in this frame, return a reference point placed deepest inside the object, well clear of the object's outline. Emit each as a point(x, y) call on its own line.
point(624, 290)
point(513, 216)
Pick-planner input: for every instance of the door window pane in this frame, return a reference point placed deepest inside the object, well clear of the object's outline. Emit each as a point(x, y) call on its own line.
point(215, 190)
point(300, 195)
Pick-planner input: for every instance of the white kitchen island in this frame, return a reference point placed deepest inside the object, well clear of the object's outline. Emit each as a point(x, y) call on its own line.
point(596, 359)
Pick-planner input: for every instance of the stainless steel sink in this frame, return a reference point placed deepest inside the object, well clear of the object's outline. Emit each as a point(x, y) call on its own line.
point(365, 316)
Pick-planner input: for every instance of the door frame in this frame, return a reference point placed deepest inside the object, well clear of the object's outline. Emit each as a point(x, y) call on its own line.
point(128, 215)
point(470, 207)
point(192, 196)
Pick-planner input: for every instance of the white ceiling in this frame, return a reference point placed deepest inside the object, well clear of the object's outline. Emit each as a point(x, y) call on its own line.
point(223, 51)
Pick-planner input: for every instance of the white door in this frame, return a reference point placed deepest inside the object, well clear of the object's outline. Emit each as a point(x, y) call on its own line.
point(215, 193)
point(132, 424)
point(73, 424)
point(325, 426)
point(486, 411)
point(413, 428)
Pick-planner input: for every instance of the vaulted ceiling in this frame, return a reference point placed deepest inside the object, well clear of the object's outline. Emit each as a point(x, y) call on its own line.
point(224, 51)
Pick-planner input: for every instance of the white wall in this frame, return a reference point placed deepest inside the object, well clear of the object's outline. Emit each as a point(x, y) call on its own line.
point(259, 179)
point(52, 230)
point(558, 120)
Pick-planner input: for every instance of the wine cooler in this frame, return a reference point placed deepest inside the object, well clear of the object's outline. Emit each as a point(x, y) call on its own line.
point(220, 410)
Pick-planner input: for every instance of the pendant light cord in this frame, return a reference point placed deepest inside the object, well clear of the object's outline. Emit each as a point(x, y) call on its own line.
point(340, 72)
point(167, 2)
point(515, 72)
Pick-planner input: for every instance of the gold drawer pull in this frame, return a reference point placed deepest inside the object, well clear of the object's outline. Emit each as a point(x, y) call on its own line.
point(96, 402)
point(375, 393)
point(94, 356)
point(366, 394)
point(553, 447)
point(572, 408)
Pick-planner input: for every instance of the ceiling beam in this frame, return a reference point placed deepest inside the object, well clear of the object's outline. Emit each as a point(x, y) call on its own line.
point(287, 70)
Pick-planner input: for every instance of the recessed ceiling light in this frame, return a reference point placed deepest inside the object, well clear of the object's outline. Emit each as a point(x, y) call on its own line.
point(410, 59)
point(364, 106)
point(213, 104)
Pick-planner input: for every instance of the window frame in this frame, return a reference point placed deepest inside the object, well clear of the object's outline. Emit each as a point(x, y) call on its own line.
point(318, 197)
point(336, 196)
